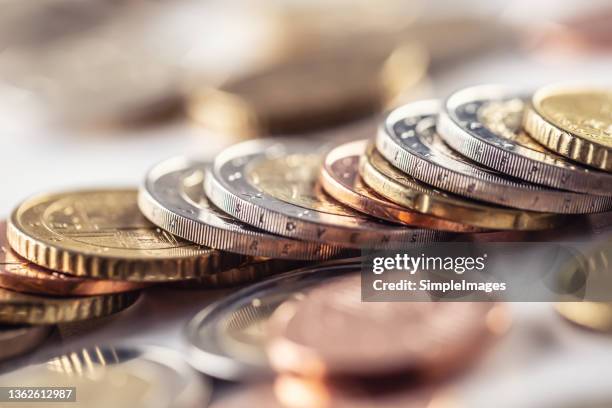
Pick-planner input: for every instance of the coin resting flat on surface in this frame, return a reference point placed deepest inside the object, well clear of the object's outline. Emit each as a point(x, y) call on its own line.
point(227, 338)
point(272, 184)
point(405, 190)
point(592, 315)
point(428, 337)
point(408, 139)
point(173, 198)
point(340, 179)
point(484, 123)
point(21, 275)
point(138, 377)
point(20, 308)
point(102, 234)
point(574, 122)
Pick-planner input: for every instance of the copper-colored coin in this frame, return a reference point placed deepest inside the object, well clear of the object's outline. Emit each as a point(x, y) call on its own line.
point(21, 275)
point(340, 179)
point(332, 333)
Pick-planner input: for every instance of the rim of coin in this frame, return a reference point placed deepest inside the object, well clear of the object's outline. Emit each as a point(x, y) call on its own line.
point(568, 126)
point(442, 334)
point(21, 275)
point(17, 340)
point(340, 179)
point(209, 349)
point(403, 189)
point(273, 184)
point(102, 234)
point(408, 139)
point(484, 123)
point(311, 92)
point(173, 198)
point(21, 308)
point(160, 367)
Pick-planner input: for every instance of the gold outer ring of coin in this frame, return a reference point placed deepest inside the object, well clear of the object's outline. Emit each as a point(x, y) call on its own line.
point(574, 123)
point(19, 308)
point(592, 315)
point(102, 234)
point(21, 275)
point(404, 190)
point(340, 179)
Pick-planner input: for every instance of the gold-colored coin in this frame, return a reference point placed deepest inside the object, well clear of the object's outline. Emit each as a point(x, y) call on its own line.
point(102, 234)
point(312, 92)
point(592, 315)
point(19, 308)
point(405, 190)
point(574, 122)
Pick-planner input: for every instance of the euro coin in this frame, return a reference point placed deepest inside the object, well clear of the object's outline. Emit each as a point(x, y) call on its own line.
point(273, 185)
point(102, 234)
point(405, 190)
point(340, 179)
point(173, 198)
point(484, 123)
point(574, 122)
point(21, 275)
point(138, 377)
point(408, 139)
point(431, 338)
point(227, 339)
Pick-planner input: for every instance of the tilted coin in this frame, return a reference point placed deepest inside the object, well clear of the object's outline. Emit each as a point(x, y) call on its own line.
point(272, 184)
point(102, 234)
point(574, 122)
point(405, 190)
point(408, 139)
point(20, 308)
point(484, 123)
point(592, 315)
point(227, 338)
point(317, 90)
point(173, 198)
point(21, 275)
point(340, 179)
point(151, 377)
point(432, 338)
point(17, 340)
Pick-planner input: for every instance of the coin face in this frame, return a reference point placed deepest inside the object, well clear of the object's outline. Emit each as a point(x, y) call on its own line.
point(427, 337)
point(574, 122)
point(21, 275)
point(138, 377)
point(484, 123)
point(109, 237)
point(173, 198)
point(228, 338)
point(405, 190)
point(273, 184)
point(340, 178)
point(410, 142)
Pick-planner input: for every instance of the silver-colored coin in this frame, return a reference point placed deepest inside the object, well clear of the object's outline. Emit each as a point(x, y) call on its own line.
point(409, 140)
point(227, 339)
point(484, 124)
point(273, 185)
point(136, 377)
point(173, 198)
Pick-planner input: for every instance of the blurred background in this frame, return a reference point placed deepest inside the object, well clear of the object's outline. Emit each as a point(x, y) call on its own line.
point(94, 92)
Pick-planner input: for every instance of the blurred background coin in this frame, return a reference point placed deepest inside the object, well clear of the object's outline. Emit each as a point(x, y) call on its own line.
point(102, 234)
point(19, 339)
point(340, 179)
point(405, 190)
point(151, 377)
point(410, 142)
point(226, 339)
point(484, 123)
point(574, 122)
point(173, 198)
point(273, 184)
point(591, 315)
